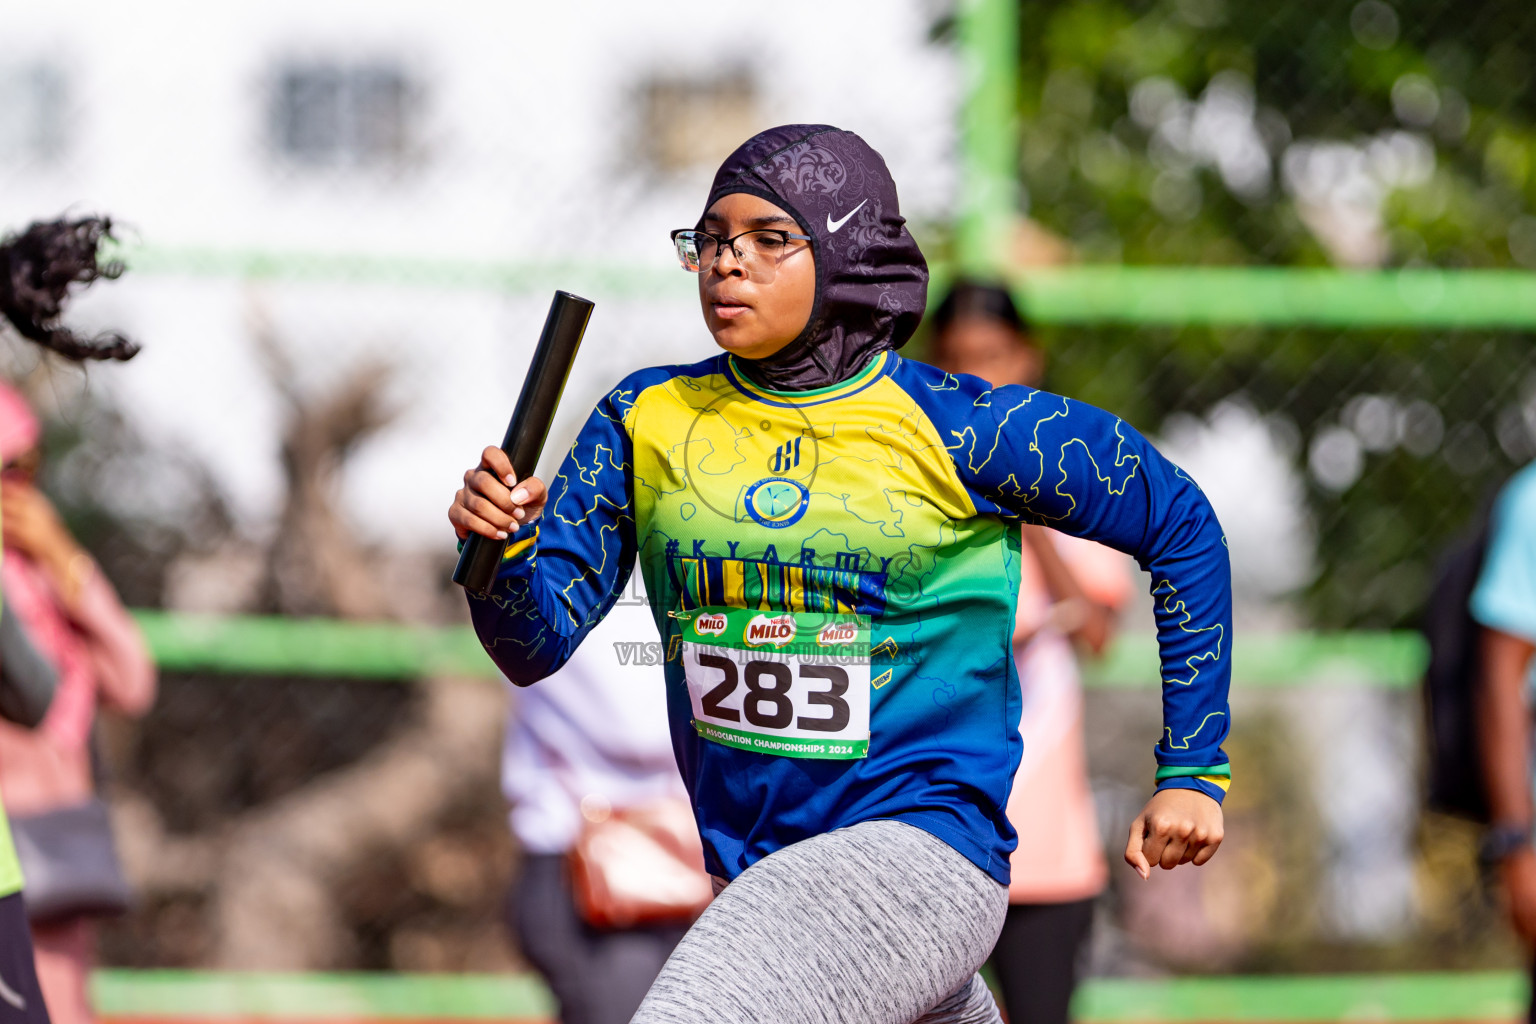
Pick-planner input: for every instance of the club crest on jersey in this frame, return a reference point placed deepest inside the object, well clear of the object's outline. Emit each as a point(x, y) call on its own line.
point(762, 631)
point(837, 633)
point(776, 501)
point(709, 625)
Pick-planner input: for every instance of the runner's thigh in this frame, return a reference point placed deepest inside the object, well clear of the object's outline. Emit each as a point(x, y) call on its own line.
point(873, 924)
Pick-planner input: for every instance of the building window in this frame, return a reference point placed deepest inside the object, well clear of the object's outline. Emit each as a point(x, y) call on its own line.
point(689, 124)
point(344, 115)
point(32, 112)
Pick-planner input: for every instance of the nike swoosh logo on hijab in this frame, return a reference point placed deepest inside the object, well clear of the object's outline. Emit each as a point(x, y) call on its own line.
point(834, 226)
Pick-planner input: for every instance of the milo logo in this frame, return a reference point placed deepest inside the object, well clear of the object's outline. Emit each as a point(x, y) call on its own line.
point(710, 625)
point(776, 631)
point(837, 633)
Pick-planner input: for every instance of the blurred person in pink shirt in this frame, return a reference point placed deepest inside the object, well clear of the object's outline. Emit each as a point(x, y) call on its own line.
point(75, 621)
point(1071, 591)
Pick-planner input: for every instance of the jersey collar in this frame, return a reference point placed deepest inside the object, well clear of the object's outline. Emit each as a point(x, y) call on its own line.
point(871, 372)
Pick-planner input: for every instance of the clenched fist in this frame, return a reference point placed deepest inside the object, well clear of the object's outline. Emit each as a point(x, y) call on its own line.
point(1178, 826)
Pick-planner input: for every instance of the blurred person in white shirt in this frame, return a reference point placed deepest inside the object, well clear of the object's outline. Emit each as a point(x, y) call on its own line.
point(589, 741)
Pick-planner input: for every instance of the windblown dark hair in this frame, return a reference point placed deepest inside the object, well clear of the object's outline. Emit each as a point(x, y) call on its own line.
point(37, 270)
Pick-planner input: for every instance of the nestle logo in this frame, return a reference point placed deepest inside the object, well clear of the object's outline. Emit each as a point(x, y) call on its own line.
point(837, 633)
point(776, 631)
point(709, 625)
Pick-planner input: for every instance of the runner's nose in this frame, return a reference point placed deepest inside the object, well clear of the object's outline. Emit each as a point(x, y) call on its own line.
point(737, 268)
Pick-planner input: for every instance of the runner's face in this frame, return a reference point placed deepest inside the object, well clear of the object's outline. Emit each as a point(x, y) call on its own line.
point(991, 350)
point(749, 316)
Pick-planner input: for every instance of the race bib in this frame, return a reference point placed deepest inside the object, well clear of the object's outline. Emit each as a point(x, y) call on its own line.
point(794, 684)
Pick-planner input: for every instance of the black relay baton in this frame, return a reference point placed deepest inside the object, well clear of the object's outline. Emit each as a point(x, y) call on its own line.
point(563, 328)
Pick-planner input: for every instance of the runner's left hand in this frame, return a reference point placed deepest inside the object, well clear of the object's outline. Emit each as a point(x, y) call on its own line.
point(1178, 826)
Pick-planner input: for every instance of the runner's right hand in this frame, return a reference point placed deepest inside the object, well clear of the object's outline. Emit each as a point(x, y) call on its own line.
point(493, 502)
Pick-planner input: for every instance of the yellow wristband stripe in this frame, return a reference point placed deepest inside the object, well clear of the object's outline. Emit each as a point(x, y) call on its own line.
point(518, 547)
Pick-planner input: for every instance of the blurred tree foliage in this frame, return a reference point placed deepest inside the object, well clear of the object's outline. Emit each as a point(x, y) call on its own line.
point(1309, 133)
point(1202, 131)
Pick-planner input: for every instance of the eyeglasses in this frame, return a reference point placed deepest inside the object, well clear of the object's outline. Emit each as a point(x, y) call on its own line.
point(759, 251)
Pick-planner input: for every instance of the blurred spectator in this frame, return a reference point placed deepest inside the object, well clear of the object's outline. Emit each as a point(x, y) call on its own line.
point(73, 618)
point(588, 743)
point(1070, 591)
point(1504, 605)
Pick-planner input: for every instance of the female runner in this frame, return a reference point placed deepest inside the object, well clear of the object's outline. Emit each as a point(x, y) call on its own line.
point(830, 537)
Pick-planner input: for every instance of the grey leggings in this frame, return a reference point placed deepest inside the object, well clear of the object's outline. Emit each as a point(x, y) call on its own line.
point(880, 923)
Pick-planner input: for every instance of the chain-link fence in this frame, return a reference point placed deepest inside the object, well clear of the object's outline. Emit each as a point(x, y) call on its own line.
point(1345, 447)
point(1343, 463)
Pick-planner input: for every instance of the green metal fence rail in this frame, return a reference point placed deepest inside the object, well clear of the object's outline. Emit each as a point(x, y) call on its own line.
point(988, 40)
point(197, 995)
point(392, 651)
point(1395, 660)
point(311, 647)
point(1445, 997)
point(259, 995)
point(1212, 296)
point(1281, 296)
point(399, 270)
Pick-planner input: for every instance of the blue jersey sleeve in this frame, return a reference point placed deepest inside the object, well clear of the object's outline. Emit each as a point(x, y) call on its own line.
point(562, 574)
point(1040, 458)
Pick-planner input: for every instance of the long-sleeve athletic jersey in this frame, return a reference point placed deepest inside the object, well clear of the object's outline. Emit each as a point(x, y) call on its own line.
point(834, 575)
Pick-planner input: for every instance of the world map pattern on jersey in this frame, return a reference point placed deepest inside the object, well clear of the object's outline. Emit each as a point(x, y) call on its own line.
point(895, 497)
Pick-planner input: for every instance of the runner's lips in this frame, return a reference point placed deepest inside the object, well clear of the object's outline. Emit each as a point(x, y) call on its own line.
point(727, 308)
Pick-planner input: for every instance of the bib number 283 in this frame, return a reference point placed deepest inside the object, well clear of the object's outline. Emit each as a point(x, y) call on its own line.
point(806, 699)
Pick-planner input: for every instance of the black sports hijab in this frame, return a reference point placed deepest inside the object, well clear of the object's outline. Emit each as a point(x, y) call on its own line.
point(871, 278)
